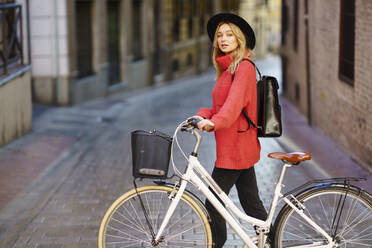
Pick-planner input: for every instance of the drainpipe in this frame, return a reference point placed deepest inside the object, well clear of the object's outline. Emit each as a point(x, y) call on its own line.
point(308, 84)
point(56, 83)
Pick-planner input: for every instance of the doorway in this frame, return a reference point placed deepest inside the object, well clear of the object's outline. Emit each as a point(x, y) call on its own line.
point(84, 38)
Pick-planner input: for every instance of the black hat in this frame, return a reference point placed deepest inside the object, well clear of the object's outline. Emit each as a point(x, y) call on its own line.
point(235, 19)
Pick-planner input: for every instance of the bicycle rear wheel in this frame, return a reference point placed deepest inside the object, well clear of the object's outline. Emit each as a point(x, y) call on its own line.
point(124, 224)
point(354, 227)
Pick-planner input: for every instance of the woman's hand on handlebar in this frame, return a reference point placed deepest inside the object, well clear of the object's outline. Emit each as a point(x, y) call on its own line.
point(199, 123)
point(205, 125)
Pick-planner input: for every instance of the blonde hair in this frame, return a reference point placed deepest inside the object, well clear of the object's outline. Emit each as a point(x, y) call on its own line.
point(238, 54)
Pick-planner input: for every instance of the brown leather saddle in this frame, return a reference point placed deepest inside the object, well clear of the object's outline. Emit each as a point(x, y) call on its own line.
point(293, 157)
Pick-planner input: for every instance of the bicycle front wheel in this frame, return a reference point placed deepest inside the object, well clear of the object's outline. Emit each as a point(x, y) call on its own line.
point(125, 225)
point(352, 227)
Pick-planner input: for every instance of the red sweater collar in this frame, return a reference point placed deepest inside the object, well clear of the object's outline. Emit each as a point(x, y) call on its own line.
point(224, 61)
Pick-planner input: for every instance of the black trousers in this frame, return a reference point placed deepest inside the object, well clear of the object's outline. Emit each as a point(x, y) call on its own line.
point(246, 185)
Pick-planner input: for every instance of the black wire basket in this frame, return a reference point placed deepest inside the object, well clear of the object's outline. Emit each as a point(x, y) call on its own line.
point(150, 154)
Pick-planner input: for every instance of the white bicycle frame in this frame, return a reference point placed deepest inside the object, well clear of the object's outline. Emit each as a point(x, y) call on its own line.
point(191, 176)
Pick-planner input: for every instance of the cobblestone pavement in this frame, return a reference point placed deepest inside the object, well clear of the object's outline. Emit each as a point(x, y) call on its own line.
point(65, 202)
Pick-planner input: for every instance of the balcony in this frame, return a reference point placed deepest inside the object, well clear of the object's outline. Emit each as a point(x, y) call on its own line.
point(11, 41)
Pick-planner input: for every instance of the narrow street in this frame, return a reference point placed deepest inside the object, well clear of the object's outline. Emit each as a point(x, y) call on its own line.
point(65, 202)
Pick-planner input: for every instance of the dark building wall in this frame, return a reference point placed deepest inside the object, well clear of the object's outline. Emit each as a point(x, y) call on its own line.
point(341, 108)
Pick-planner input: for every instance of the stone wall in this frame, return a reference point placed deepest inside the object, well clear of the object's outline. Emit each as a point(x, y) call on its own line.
point(16, 108)
point(49, 51)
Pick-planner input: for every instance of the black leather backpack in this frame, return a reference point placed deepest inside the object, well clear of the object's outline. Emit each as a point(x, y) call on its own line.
point(269, 120)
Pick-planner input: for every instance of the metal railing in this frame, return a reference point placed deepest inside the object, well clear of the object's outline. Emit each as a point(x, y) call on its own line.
point(11, 36)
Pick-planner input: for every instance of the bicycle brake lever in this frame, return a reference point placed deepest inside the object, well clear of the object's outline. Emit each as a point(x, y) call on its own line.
point(185, 128)
point(193, 122)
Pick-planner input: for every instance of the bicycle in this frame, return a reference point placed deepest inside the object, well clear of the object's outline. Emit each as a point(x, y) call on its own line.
point(320, 213)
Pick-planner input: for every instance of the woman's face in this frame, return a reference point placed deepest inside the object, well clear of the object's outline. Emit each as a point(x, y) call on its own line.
point(226, 39)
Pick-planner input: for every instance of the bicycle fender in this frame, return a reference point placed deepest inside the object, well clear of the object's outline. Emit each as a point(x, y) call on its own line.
point(320, 183)
point(335, 184)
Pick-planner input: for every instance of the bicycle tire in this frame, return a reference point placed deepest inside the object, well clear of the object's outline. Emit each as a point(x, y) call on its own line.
point(124, 224)
point(354, 228)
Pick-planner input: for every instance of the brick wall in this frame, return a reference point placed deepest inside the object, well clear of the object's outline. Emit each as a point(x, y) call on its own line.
point(342, 111)
point(296, 63)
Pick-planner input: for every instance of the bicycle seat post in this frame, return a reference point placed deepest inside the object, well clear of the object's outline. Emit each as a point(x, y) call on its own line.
point(277, 192)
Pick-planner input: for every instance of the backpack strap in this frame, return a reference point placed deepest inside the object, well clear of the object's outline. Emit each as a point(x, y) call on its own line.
point(259, 73)
point(250, 122)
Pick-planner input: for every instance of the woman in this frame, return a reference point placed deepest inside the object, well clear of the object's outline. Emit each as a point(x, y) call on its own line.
point(238, 147)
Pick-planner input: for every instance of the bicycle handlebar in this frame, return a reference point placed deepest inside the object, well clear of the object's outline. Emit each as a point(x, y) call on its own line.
point(191, 126)
point(191, 123)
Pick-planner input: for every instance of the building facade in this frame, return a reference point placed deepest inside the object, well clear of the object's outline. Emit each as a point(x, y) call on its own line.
point(265, 17)
point(327, 56)
point(15, 74)
point(83, 49)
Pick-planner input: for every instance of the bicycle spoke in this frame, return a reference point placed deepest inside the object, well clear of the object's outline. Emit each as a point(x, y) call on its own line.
point(349, 213)
point(137, 216)
point(126, 236)
point(148, 210)
point(126, 225)
point(360, 238)
point(158, 212)
point(126, 212)
point(135, 223)
point(356, 222)
point(131, 239)
point(169, 237)
point(179, 219)
point(357, 243)
point(297, 229)
point(324, 212)
point(369, 233)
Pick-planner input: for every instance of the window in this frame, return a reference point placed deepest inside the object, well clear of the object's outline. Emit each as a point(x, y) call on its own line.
point(229, 5)
point(175, 65)
point(113, 40)
point(177, 14)
point(189, 8)
point(11, 50)
point(347, 41)
point(297, 92)
point(84, 38)
point(224, 5)
point(189, 59)
point(200, 12)
point(208, 7)
point(157, 56)
point(295, 25)
point(284, 21)
point(137, 28)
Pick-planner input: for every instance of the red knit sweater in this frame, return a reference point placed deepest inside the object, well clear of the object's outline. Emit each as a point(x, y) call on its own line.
point(235, 150)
